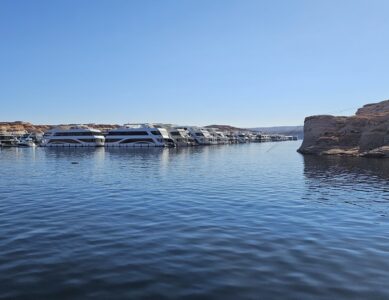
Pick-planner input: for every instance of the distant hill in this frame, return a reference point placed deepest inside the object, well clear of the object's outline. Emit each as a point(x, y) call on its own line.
point(226, 127)
point(285, 130)
point(20, 127)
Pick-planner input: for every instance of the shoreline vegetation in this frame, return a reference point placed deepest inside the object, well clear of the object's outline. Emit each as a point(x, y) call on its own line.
point(366, 134)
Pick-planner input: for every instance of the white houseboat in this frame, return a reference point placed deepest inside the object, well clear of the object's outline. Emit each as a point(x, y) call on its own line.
point(181, 137)
point(201, 135)
point(138, 135)
point(219, 136)
point(77, 136)
point(8, 139)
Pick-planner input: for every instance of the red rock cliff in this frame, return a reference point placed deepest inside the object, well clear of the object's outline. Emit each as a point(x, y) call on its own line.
point(365, 134)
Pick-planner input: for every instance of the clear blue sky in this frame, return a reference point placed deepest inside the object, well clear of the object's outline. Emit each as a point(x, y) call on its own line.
point(242, 62)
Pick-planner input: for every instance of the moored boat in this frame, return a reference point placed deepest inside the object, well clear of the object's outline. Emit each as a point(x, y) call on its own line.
point(8, 140)
point(181, 137)
point(76, 136)
point(26, 140)
point(201, 135)
point(139, 135)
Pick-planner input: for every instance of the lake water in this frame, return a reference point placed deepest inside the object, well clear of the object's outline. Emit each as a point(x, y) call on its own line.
point(252, 221)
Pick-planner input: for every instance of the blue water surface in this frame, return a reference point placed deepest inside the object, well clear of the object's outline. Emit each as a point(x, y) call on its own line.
point(252, 221)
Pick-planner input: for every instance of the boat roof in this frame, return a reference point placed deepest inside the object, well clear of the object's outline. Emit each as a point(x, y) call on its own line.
point(74, 128)
point(139, 125)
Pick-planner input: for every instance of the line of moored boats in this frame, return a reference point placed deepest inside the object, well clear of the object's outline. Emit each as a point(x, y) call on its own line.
point(136, 135)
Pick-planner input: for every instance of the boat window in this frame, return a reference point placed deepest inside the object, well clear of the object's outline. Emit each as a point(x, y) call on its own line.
point(81, 133)
point(127, 133)
point(156, 132)
point(91, 140)
point(129, 141)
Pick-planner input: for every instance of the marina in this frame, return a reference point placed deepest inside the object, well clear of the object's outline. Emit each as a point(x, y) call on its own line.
point(136, 135)
point(216, 150)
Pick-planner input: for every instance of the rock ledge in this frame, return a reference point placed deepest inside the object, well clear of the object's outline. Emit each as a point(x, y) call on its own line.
point(364, 134)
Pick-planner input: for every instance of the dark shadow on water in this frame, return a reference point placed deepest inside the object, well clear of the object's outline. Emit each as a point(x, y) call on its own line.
point(354, 167)
point(360, 182)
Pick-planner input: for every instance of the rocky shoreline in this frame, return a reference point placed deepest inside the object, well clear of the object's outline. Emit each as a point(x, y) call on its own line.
point(366, 134)
point(20, 127)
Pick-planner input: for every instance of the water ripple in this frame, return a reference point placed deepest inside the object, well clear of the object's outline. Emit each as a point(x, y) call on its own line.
point(229, 222)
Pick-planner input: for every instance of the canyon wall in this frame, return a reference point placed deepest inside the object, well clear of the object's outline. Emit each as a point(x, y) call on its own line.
point(364, 134)
point(19, 127)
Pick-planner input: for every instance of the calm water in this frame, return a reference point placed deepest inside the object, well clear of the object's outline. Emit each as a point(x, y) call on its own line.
point(225, 222)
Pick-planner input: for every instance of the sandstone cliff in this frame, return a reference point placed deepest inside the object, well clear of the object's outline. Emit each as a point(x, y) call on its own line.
point(365, 134)
point(19, 127)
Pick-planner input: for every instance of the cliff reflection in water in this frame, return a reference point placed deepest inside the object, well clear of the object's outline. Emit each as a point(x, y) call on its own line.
point(353, 180)
point(333, 166)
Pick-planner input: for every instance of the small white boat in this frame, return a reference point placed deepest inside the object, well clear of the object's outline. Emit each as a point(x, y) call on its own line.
point(26, 141)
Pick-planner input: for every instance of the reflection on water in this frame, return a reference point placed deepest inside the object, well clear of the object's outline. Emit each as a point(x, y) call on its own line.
point(221, 222)
point(335, 166)
point(357, 181)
